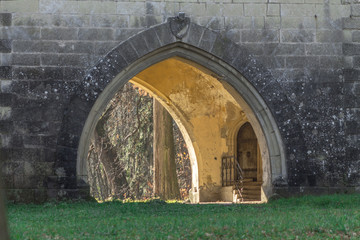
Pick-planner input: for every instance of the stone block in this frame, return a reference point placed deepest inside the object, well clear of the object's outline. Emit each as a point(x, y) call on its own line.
point(298, 10)
point(323, 49)
point(331, 62)
point(72, 73)
point(302, 62)
point(356, 62)
point(351, 49)
point(107, 70)
point(40, 195)
point(171, 9)
point(5, 72)
point(37, 73)
point(355, 10)
point(36, 127)
point(69, 21)
point(144, 21)
point(272, 22)
point(329, 36)
point(272, 62)
point(23, 155)
point(31, 20)
point(351, 75)
point(56, 7)
point(286, 1)
point(321, 1)
point(255, 49)
point(139, 45)
point(20, 195)
point(278, 49)
point(254, 10)
point(256, 23)
point(5, 19)
point(225, 49)
point(123, 34)
point(193, 9)
point(233, 35)
point(207, 40)
point(26, 59)
point(109, 21)
point(297, 35)
point(157, 8)
point(164, 34)
point(6, 59)
point(5, 113)
point(7, 99)
point(31, 141)
point(6, 127)
point(260, 35)
point(232, 10)
point(102, 48)
point(300, 23)
point(351, 23)
point(273, 9)
point(151, 39)
point(7, 181)
point(213, 23)
point(13, 141)
point(250, 1)
point(214, 10)
point(20, 6)
point(131, 8)
point(26, 46)
point(59, 33)
point(244, 23)
point(347, 34)
point(5, 86)
point(67, 47)
point(333, 11)
point(70, 60)
point(23, 33)
point(194, 35)
point(97, 7)
point(350, 1)
point(356, 36)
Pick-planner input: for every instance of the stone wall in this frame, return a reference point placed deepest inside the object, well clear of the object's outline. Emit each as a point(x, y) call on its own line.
point(311, 48)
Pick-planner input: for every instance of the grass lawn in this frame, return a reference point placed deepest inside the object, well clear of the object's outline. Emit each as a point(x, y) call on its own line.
point(331, 217)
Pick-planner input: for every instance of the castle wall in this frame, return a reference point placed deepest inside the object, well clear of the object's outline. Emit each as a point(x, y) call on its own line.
point(311, 48)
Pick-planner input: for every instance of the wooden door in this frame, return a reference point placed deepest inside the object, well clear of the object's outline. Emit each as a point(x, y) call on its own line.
point(247, 152)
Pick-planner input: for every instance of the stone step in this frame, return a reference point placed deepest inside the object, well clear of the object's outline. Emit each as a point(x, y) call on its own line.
point(249, 199)
point(252, 183)
point(247, 180)
point(251, 187)
point(251, 194)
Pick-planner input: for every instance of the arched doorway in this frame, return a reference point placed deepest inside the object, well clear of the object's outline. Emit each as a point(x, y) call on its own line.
point(250, 161)
point(248, 153)
point(188, 90)
point(113, 72)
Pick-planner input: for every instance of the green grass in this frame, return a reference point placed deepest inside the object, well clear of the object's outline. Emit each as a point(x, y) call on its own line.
point(331, 217)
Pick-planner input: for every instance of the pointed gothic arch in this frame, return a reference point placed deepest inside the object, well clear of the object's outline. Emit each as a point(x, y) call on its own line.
point(244, 78)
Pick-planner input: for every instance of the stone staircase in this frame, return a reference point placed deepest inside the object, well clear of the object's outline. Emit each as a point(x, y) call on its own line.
point(251, 191)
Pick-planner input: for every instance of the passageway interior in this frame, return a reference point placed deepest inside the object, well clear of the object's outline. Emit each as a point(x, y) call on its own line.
point(209, 115)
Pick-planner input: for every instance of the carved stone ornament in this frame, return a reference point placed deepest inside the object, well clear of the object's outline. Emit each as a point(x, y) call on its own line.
point(179, 25)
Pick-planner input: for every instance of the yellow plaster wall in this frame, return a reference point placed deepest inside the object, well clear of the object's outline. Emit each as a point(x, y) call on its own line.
point(199, 103)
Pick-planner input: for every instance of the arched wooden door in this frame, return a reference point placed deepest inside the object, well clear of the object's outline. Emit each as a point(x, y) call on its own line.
point(248, 153)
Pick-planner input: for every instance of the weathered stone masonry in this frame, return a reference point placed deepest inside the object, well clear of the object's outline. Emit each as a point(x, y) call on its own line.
point(302, 56)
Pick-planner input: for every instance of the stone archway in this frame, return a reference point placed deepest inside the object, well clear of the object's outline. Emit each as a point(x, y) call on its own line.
point(244, 79)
